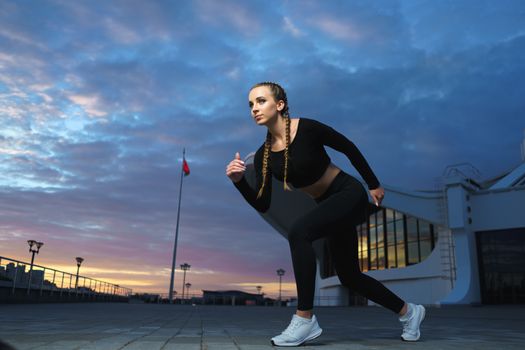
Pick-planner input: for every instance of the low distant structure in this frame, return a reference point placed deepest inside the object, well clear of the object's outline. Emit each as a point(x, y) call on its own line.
point(233, 297)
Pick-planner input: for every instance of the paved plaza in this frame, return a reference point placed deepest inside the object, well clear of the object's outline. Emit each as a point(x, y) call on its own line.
point(112, 326)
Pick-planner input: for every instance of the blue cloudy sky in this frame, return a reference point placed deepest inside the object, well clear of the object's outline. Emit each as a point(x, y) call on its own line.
point(98, 99)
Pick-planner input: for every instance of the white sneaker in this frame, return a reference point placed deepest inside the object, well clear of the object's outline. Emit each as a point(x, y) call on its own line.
point(299, 330)
point(411, 323)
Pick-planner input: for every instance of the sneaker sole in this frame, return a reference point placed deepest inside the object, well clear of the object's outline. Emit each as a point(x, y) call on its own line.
point(418, 333)
point(311, 337)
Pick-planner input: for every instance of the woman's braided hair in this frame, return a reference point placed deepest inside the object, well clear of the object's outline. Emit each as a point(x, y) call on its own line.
point(278, 94)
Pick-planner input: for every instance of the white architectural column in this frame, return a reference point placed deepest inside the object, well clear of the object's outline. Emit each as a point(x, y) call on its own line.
point(466, 288)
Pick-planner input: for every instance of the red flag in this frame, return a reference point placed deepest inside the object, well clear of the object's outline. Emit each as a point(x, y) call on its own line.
point(185, 167)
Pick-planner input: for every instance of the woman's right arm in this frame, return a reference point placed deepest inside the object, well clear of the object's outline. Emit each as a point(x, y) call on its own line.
point(250, 195)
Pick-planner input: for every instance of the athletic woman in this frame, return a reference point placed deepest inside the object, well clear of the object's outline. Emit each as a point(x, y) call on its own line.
point(294, 152)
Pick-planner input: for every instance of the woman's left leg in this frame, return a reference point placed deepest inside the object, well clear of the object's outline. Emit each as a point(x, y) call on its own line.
point(343, 250)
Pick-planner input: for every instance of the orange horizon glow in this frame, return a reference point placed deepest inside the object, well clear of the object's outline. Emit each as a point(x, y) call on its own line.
point(157, 282)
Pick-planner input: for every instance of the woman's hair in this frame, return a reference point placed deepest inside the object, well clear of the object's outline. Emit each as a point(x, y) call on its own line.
point(278, 94)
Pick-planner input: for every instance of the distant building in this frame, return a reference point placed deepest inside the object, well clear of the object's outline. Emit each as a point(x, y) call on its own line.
point(231, 297)
point(16, 273)
point(20, 276)
point(147, 297)
point(3, 274)
point(463, 243)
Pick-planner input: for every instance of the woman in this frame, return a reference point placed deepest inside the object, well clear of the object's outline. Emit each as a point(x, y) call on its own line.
point(294, 152)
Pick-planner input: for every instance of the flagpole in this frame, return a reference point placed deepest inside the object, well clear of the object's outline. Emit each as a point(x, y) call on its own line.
point(176, 231)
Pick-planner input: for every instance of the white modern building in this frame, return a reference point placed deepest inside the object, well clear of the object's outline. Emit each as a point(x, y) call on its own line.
point(463, 243)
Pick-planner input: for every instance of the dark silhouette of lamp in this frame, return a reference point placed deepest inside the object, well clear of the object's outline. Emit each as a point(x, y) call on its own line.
point(280, 272)
point(79, 261)
point(184, 267)
point(34, 247)
point(188, 285)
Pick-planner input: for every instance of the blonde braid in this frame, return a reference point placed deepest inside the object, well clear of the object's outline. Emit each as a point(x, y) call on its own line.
point(287, 119)
point(265, 167)
point(278, 94)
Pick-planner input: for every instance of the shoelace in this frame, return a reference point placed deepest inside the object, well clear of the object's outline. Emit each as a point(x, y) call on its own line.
point(406, 324)
point(292, 326)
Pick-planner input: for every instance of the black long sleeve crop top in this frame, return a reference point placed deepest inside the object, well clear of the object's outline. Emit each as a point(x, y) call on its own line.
point(307, 161)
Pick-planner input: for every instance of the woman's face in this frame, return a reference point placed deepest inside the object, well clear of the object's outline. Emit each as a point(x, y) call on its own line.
point(263, 105)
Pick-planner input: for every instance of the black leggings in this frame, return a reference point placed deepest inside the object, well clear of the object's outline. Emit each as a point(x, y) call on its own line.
point(342, 207)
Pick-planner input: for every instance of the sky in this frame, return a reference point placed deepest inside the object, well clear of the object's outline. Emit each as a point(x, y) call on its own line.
point(99, 98)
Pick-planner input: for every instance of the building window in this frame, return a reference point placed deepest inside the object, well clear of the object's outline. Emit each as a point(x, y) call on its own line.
point(434, 236)
point(362, 236)
point(425, 239)
point(501, 264)
point(390, 239)
point(380, 232)
point(372, 238)
point(412, 240)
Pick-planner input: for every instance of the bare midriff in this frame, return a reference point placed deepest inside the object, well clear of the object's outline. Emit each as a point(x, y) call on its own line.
point(319, 187)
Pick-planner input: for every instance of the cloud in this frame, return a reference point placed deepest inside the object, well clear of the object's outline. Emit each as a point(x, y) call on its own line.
point(89, 103)
point(121, 33)
point(231, 13)
point(291, 28)
point(451, 27)
point(94, 114)
point(336, 28)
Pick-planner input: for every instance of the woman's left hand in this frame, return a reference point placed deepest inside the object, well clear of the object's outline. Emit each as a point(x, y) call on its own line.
point(377, 195)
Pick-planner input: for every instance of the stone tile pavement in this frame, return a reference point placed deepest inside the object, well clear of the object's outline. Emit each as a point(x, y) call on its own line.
point(112, 326)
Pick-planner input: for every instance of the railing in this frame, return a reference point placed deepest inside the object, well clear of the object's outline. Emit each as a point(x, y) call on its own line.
point(47, 284)
point(198, 299)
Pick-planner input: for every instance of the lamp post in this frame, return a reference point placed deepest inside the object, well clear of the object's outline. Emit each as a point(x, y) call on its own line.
point(188, 285)
point(184, 267)
point(38, 245)
point(79, 261)
point(280, 272)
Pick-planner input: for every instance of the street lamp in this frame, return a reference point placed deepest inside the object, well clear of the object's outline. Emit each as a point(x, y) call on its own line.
point(188, 285)
point(280, 272)
point(79, 261)
point(184, 267)
point(38, 245)
point(259, 289)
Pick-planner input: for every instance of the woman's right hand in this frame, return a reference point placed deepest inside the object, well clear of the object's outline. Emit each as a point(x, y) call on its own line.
point(235, 170)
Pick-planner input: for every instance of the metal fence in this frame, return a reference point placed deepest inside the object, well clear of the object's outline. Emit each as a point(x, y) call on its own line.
point(199, 299)
point(41, 283)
